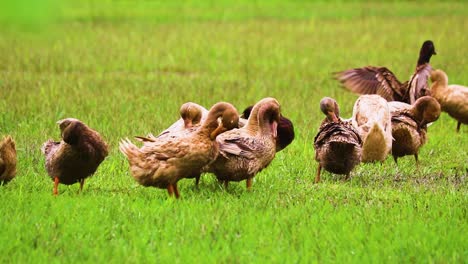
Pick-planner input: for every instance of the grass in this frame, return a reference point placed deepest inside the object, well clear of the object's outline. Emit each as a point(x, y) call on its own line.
point(125, 69)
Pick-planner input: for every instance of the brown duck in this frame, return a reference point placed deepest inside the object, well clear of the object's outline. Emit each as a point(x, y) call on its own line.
point(338, 146)
point(164, 161)
point(7, 160)
point(381, 81)
point(77, 156)
point(452, 98)
point(246, 151)
point(409, 125)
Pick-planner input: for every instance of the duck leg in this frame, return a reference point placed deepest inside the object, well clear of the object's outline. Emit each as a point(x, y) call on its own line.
point(197, 180)
point(226, 183)
point(416, 158)
point(56, 183)
point(170, 190)
point(347, 177)
point(81, 184)
point(317, 178)
point(176, 191)
point(395, 158)
point(458, 126)
point(249, 183)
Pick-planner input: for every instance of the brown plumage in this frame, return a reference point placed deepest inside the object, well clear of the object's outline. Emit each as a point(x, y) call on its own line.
point(285, 130)
point(77, 156)
point(7, 160)
point(453, 98)
point(409, 125)
point(164, 161)
point(381, 81)
point(337, 144)
point(246, 151)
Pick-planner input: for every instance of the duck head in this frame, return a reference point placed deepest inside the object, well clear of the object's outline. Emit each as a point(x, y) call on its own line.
point(191, 113)
point(71, 129)
point(426, 110)
point(228, 115)
point(439, 76)
point(426, 52)
point(264, 117)
point(330, 108)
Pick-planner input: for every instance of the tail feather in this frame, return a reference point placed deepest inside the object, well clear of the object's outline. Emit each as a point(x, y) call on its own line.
point(128, 149)
point(375, 146)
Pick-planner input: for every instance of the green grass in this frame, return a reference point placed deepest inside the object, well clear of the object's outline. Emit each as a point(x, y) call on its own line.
point(125, 68)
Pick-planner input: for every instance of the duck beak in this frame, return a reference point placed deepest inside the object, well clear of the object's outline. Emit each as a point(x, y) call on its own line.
point(435, 53)
point(220, 129)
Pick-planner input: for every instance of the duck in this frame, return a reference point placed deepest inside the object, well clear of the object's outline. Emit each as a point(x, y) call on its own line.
point(338, 145)
point(382, 81)
point(245, 151)
point(372, 119)
point(166, 160)
point(409, 125)
point(453, 98)
point(285, 130)
point(77, 156)
point(7, 160)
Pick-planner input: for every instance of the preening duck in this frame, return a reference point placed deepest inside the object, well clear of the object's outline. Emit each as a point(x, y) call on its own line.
point(338, 146)
point(372, 119)
point(246, 151)
point(164, 161)
point(409, 125)
point(77, 156)
point(453, 98)
point(7, 160)
point(381, 81)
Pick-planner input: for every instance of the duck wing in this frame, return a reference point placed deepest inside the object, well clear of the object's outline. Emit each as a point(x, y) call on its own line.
point(418, 82)
point(245, 147)
point(372, 80)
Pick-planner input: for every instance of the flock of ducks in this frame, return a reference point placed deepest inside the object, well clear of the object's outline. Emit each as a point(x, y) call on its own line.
point(389, 118)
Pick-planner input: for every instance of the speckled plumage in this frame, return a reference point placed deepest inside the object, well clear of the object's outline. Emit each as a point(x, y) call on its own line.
point(77, 156)
point(246, 151)
point(338, 146)
point(409, 125)
point(7, 160)
point(164, 161)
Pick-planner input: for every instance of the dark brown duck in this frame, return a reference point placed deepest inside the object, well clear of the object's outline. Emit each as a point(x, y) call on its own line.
point(77, 156)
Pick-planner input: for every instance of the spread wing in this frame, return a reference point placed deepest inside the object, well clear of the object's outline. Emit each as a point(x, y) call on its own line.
point(372, 80)
point(418, 82)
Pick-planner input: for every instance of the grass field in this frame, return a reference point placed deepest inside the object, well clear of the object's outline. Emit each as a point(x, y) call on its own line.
point(124, 68)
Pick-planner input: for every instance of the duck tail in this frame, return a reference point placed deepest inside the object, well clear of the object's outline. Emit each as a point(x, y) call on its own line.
point(133, 155)
point(375, 146)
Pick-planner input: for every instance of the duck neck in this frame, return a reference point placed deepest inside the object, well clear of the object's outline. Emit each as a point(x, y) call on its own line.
point(438, 87)
point(424, 57)
point(259, 121)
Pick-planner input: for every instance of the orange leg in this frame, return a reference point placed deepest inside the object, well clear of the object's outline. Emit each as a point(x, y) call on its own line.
point(81, 184)
point(170, 190)
point(176, 191)
point(56, 183)
point(317, 178)
point(249, 183)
